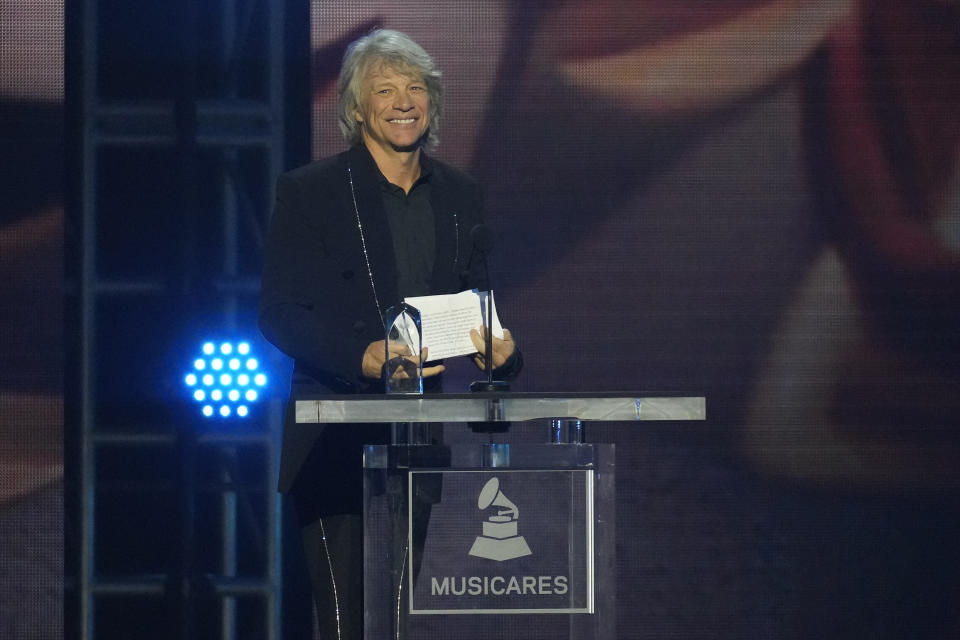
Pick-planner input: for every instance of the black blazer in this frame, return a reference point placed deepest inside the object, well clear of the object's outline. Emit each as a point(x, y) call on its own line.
point(317, 301)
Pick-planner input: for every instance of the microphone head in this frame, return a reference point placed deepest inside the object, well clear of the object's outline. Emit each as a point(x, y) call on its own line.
point(482, 237)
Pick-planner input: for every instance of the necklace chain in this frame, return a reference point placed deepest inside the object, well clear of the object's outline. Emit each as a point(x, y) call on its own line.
point(363, 243)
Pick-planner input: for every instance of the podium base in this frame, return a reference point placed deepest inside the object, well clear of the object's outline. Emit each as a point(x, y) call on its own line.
point(489, 386)
point(442, 561)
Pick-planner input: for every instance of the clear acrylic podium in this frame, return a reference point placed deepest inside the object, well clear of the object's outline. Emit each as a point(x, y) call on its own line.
point(491, 541)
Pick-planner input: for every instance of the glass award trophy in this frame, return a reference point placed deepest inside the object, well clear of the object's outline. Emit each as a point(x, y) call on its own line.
point(402, 369)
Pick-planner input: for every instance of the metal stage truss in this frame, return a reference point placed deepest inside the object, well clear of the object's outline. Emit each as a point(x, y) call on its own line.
point(178, 116)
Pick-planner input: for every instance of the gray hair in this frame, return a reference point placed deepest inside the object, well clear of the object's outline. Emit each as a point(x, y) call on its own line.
point(396, 50)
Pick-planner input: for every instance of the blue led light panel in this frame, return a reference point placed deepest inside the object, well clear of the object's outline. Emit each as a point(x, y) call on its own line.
point(225, 379)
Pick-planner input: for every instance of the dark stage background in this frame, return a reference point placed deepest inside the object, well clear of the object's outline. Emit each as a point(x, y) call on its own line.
point(757, 201)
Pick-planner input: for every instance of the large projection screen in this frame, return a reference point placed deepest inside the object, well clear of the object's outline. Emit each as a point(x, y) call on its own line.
point(753, 200)
point(31, 319)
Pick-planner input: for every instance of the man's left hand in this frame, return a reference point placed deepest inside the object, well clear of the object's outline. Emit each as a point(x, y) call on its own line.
point(502, 347)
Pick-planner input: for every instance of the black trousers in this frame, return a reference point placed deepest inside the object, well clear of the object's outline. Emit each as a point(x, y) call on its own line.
point(328, 498)
point(333, 546)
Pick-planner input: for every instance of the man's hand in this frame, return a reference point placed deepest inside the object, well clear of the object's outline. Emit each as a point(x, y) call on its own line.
point(502, 348)
point(373, 361)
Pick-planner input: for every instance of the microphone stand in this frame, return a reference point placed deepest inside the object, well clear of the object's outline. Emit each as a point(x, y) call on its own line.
point(489, 385)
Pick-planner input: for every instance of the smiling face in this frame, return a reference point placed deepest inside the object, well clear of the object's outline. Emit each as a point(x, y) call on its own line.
point(394, 109)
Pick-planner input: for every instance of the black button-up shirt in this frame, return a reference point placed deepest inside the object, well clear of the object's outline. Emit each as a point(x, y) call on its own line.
point(412, 229)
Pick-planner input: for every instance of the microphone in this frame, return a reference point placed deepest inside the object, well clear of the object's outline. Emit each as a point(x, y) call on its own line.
point(481, 242)
point(482, 239)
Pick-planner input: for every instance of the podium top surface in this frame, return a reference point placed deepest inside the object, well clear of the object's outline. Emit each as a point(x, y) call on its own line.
point(498, 407)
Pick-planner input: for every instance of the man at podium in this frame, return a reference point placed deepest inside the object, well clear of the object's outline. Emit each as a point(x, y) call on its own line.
point(350, 236)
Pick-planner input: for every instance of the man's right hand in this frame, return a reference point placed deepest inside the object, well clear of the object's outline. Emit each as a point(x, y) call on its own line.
point(373, 359)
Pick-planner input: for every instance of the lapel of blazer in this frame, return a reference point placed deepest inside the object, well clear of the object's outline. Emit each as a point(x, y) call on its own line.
point(376, 229)
point(446, 264)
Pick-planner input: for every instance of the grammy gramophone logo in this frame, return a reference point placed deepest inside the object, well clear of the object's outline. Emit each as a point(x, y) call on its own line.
point(500, 540)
